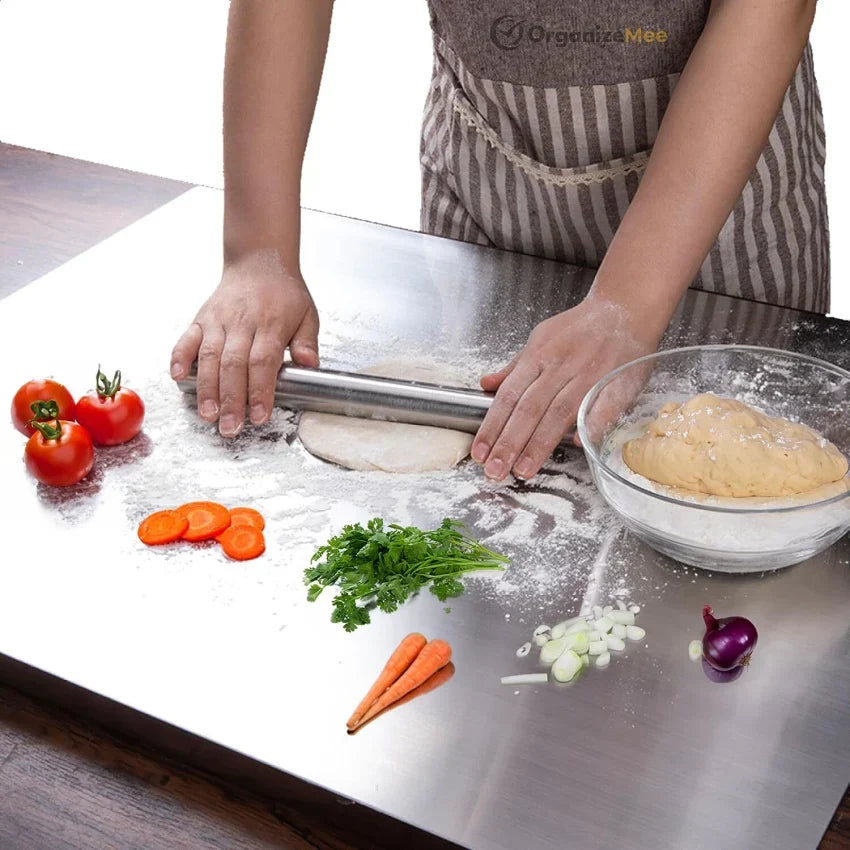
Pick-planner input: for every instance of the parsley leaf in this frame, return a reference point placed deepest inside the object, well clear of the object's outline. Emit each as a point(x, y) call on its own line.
point(384, 565)
point(349, 613)
point(447, 587)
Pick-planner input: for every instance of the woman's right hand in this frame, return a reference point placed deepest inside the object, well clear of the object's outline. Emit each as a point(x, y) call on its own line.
point(239, 338)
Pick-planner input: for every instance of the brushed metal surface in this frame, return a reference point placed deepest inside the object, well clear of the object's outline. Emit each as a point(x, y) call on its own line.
point(372, 397)
point(646, 754)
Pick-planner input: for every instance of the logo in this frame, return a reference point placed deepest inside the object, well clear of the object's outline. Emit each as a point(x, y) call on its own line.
point(507, 32)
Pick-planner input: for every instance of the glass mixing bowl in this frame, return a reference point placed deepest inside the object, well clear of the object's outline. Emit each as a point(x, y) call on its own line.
point(731, 535)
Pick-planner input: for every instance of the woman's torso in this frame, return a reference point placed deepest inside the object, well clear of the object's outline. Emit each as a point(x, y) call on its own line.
point(540, 119)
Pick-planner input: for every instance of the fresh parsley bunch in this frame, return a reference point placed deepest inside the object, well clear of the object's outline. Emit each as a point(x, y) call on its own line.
point(378, 566)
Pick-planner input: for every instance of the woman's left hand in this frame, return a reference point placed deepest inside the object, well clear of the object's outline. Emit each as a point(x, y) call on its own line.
point(539, 392)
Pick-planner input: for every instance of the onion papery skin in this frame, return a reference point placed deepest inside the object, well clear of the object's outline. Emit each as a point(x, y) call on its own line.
point(729, 642)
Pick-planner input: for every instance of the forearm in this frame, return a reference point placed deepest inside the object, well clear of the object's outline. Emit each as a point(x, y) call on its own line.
point(710, 139)
point(273, 67)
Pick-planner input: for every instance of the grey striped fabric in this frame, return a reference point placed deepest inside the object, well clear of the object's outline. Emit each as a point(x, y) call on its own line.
point(550, 171)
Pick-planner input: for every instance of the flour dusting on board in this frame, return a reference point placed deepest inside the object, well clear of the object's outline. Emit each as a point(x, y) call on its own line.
point(551, 527)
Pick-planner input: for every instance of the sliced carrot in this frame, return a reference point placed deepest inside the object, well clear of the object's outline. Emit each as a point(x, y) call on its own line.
point(206, 519)
point(435, 655)
point(247, 516)
point(162, 527)
point(430, 684)
point(242, 542)
point(399, 661)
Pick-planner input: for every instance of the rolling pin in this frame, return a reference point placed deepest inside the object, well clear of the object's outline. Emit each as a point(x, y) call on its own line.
point(372, 397)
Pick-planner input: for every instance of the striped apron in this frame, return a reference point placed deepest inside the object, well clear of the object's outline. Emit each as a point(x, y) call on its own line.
point(540, 119)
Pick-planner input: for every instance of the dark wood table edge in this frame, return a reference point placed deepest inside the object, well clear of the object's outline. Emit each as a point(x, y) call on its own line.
point(54, 207)
point(289, 796)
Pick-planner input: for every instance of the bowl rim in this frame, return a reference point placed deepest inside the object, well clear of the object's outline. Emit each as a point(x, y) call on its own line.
point(594, 457)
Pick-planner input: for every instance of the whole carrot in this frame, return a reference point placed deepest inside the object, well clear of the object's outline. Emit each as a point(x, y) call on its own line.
point(430, 684)
point(433, 657)
point(399, 661)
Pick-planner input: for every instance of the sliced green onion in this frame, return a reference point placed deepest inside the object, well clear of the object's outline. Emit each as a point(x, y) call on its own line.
point(567, 646)
point(550, 653)
point(625, 618)
point(604, 625)
point(574, 624)
point(578, 642)
point(597, 647)
point(566, 667)
point(526, 679)
point(615, 643)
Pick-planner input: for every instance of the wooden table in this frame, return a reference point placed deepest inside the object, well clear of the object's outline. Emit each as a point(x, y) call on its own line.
point(66, 782)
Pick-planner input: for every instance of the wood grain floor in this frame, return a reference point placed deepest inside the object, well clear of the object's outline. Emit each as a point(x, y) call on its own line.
point(52, 208)
point(837, 837)
point(68, 784)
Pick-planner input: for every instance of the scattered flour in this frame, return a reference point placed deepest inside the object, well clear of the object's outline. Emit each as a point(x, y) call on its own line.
point(553, 527)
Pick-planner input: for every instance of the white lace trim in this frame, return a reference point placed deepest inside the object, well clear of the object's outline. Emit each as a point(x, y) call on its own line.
point(533, 169)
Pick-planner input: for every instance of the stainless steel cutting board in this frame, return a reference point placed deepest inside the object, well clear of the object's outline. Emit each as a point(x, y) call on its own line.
point(647, 754)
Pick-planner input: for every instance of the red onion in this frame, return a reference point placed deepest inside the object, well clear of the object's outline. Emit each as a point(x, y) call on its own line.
point(727, 643)
point(721, 676)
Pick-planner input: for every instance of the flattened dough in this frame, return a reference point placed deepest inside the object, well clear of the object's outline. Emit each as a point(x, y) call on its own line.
point(366, 444)
point(724, 447)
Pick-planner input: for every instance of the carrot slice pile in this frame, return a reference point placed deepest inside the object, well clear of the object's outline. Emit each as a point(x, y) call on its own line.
point(162, 527)
point(206, 519)
point(239, 530)
point(412, 666)
point(242, 542)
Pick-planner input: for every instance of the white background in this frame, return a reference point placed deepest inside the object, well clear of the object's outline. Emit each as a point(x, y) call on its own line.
point(138, 85)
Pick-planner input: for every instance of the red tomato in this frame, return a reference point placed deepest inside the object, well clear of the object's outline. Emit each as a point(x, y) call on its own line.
point(60, 453)
point(112, 414)
point(45, 390)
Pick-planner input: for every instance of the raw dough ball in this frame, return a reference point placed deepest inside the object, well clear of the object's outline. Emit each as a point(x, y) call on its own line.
point(727, 448)
point(389, 446)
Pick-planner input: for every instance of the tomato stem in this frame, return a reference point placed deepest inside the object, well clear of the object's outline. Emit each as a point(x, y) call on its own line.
point(48, 430)
point(42, 410)
point(105, 387)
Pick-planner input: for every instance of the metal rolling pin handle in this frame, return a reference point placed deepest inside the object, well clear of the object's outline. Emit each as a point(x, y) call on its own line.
point(371, 397)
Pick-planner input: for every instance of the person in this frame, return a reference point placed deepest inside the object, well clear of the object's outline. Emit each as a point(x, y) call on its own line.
point(666, 145)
